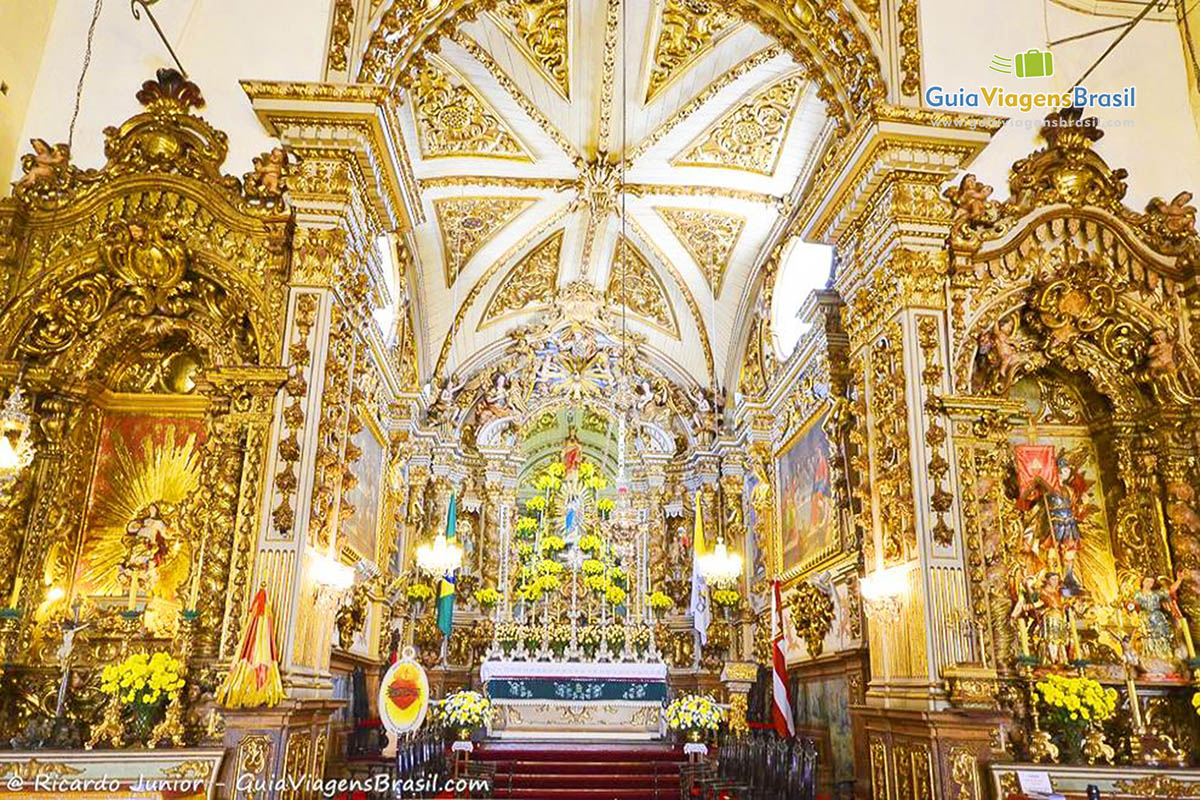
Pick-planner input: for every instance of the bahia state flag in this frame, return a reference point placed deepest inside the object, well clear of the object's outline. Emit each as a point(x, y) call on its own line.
point(445, 601)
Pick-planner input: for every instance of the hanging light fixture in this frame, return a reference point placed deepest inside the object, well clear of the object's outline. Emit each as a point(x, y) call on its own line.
point(721, 566)
point(439, 557)
point(16, 449)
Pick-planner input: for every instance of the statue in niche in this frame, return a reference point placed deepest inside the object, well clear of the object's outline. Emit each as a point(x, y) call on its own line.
point(497, 400)
point(148, 540)
point(1155, 603)
point(1059, 483)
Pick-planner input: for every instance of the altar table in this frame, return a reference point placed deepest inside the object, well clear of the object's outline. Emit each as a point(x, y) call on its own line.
point(576, 699)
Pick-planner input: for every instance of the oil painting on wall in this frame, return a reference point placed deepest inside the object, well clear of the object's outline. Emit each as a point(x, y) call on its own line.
point(135, 542)
point(805, 496)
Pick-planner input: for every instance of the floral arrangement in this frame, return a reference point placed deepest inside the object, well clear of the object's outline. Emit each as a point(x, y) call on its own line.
point(524, 549)
point(143, 681)
point(1196, 701)
point(466, 710)
point(526, 526)
point(1075, 699)
point(548, 566)
point(549, 583)
point(591, 543)
point(659, 601)
point(589, 638)
point(536, 503)
point(552, 544)
point(615, 594)
point(486, 597)
point(549, 481)
point(532, 636)
point(726, 598)
point(614, 635)
point(592, 566)
point(639, 638)
point(694, 714)
point(605, 505)
point(617, 576)
point(595, 583)
point(560, 637)
point(508, 634)
point(418, 592)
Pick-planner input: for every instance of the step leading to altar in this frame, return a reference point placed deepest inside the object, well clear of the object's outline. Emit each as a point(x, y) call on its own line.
point(576, 699)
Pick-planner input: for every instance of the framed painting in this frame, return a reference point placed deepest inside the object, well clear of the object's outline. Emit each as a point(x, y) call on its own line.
point(807, 516)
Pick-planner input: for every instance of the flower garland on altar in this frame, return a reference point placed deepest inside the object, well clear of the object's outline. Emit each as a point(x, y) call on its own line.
point(694, 713)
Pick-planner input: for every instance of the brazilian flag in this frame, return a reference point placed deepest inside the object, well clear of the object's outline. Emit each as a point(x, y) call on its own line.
point(445, 602)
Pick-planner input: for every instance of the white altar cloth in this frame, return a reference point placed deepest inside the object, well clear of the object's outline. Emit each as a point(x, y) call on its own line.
point(569, 670)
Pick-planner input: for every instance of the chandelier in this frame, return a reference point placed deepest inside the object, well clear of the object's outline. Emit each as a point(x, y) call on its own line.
point(439, 557)
point(720, 566)
point(331, 576)
point(16, 450)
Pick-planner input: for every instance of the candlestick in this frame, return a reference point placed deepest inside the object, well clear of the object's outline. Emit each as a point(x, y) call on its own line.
point(195, 593)
point(133, 587)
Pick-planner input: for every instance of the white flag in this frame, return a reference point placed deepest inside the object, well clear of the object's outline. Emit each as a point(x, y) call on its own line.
point(699, 606)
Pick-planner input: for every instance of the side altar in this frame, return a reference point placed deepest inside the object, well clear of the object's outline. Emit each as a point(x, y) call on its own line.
point(574, 698)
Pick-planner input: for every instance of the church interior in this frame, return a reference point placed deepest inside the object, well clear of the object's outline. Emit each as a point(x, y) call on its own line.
point(611, 399)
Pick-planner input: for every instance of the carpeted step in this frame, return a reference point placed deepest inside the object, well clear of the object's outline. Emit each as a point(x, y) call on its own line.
point(585, 794)
point(587, 767)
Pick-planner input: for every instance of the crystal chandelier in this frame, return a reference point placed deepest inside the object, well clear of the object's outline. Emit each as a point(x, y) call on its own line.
point(439, 557)
point(720, 566)
point(330, 573)
point(16, 450)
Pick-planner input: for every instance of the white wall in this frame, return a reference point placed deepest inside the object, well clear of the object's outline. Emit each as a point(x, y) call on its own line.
point(1160, 147)
point(218, 41)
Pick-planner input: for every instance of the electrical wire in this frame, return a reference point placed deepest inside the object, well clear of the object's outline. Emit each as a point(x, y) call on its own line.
point(87, 62)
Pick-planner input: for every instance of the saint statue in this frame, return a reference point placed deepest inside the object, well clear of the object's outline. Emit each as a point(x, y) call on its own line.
point(1154, 602)
point(148, 541)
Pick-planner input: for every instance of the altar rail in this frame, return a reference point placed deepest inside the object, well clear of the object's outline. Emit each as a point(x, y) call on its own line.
point(1114, 783)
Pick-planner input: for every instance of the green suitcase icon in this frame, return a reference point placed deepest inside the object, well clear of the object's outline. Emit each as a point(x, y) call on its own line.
point(1034, 64)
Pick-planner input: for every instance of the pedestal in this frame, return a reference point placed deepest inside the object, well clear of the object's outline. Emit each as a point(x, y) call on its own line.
point(272, 750)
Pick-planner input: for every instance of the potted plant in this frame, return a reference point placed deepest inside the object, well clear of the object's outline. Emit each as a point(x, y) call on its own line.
point(532, 636)
point(639, 639)
point(551, 545)
point(486, 598)
point(143, 684)
point(614, 637)
point(560, 639)
point(727, 600)
point(1074, 706)
point(507, 635)
point(465, 711)
point(695, 716)
point(418, 595)
point(660, 604)
point(589, 640)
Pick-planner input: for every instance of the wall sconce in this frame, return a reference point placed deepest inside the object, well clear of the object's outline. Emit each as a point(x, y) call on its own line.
point(333, 578)
point(16, 451)
point(883, 592)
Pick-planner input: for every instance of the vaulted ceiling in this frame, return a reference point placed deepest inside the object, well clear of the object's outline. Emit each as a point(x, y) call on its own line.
point(647, 147)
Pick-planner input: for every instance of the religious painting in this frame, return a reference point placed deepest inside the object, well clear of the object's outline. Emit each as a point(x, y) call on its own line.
point(135, 541)
point(806, 509)
point(366, 494)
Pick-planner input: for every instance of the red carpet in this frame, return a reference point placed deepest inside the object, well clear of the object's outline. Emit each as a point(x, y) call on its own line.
point(582, 771)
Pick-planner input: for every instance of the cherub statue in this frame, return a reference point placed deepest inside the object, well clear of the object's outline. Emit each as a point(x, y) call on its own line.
point(44, 164)
point(1177, 216)
point(269, 177)
point(1162, 362)
point(970, 200)
point(1004, 356)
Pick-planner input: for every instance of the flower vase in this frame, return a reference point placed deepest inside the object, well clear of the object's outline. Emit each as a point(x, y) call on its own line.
point(142, 721)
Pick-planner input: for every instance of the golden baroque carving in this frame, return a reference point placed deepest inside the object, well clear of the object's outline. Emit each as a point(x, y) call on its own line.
point(468, 223)
point(708, 236)
point(687, 29)
point(541, 29)
point(750, 137)
point(339, 34)
point(812, 616)
point(1068, 171)
point(1157, 786)
point(964, 771)
point(454, 120)
point(910, 49)
point(635, 284)
point(935, 434)
point(531, 281)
